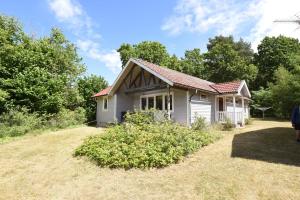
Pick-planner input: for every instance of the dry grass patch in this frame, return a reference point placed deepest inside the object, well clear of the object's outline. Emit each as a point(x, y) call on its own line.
point(257, 162)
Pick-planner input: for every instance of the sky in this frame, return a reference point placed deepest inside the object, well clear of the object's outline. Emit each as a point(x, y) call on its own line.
point(98, 28)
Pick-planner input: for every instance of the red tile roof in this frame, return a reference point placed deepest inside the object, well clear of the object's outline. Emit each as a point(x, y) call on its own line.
point(228, 87)
point(103, 92)
point(178, 78)
point(183, 80)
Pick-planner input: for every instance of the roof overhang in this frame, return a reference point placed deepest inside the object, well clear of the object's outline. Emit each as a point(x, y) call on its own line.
point(244, 84)
point(129, 65)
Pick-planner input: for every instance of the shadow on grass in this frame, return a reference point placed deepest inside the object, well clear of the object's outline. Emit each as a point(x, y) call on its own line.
point(275, 145)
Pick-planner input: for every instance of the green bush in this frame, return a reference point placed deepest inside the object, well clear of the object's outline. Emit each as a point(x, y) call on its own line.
point(228, 125)
point(199, 124)
point(67, 118)
point(157, 144)
point(18, 122)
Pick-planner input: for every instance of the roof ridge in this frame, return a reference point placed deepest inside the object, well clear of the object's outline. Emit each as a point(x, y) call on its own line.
point(228, 82)
point(166, 68)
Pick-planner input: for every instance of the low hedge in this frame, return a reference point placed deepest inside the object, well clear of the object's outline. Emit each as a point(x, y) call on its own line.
point(136, 145)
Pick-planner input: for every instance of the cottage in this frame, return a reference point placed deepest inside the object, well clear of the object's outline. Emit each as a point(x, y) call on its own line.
point(143, 85)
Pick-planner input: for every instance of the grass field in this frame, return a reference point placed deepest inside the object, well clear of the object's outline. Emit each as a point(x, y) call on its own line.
point(261, 161)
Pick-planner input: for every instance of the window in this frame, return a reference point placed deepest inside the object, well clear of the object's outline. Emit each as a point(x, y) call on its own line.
point(150, 102)
point(105, 102)
point(143, 103)
point(159, 102)
point(166, 102)
point(203, 97)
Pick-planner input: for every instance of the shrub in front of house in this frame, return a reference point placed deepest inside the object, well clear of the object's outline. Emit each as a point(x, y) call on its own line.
point(199, 124)
point(228, 125)
point(143, 145)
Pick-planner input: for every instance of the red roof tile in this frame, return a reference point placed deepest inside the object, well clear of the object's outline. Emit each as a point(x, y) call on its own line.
point(178, 78)
point(229, 87)
point(103, 92)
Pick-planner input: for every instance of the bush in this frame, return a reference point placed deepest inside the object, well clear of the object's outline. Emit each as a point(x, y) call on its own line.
point(228, 125)
point(67, 118)
point(199, 124)
point(18, 122)
point(248, 121)
point(136, 145)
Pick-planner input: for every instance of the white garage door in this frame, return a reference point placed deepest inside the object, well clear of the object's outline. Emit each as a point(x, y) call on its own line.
point(200, 108)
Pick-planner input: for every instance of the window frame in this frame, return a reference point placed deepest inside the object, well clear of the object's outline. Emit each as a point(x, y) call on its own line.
point(203, 99)
point(163, 94)
point(103, 104)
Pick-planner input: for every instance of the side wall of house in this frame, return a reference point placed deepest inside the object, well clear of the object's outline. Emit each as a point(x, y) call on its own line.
point(204, 107)
point(124, 103)
point(105, 116)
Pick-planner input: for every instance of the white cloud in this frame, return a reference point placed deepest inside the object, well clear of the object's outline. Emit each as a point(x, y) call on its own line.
point(110, 58)
point(270, 10)
point(65, 9)
point(232, 16)
point(71, 13)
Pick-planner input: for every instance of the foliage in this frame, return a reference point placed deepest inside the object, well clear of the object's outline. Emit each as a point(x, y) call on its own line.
point(248, 121)
point(88, 86)
point(66, 118)
point(18, 122)
point(199, 124)
point(262, 98)
point(143, 145)
point(272, 53)
point(39, 74)
point(150, 51)
point(228, 125)
point(285, 91)
point(227, 60)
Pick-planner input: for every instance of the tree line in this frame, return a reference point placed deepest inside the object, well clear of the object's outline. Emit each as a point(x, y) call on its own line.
point(272, 72)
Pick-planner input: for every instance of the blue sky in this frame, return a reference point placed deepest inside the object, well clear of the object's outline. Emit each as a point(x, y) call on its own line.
point(98, 28)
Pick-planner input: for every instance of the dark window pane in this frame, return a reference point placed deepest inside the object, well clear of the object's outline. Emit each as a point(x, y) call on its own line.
point(166, 102)
point(150, 102)
point(171, 102)
point(144, 103)
point(159, 102)
point(105, 104)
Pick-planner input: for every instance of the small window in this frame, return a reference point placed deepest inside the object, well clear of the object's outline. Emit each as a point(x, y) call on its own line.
point(143, 103)
point(159, 102)
point(150, 102)
point(105, 102)
point(203, 97)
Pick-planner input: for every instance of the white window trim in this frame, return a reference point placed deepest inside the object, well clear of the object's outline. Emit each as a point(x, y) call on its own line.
point(154, 96)
point(104, 109)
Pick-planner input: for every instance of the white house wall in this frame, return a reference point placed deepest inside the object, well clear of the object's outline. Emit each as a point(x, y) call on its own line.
point(204, 108)
point(103, 116)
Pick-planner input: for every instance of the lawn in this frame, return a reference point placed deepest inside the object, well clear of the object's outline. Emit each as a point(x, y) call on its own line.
point(261, 161)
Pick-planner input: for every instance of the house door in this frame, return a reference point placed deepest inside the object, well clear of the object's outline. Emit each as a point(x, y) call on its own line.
point(221, 104)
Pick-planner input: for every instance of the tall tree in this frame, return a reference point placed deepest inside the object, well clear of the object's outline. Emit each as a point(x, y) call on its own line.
point(39, 74)
point(150, 51)
point(227, 60)
point(88, 86)
point(193, 63)
point(272, 53)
